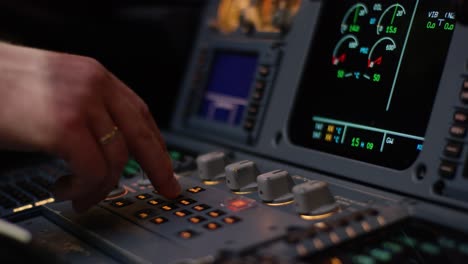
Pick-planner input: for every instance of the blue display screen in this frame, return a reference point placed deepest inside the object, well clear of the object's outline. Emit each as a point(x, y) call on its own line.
point(228, 87)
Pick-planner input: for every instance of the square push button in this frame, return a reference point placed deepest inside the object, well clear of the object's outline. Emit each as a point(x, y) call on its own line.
point(187, 201)
point(143, 196)
point(169, 207)
point(212, 226)
point(231, 220)
point(182, 213)
point(216, 213)
point(201, 207)
point(144, 214)
point(155, 202)
point(195, 189)
point(121, 203)
point(159, 220)
point(187, 234)
point(196, 219)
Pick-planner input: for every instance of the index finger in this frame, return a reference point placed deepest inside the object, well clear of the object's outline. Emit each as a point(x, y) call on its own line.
point(144, 145)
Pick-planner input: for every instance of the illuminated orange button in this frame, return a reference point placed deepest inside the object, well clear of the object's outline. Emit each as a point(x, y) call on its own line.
point(196, 189)
point(212, 226)
point(231, 220)
point(216, 213)
point(159, 220)
point(155, 201)
point(121, 203)
point(187, 201)
point(169, 207)
point(143, 196)
point(201, 207)
point(182, 213)
point(143, 215)
point(196, 219)
point(187, 234)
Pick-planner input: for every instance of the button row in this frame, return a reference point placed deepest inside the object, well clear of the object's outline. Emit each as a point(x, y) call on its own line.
point(454, 146)
point(211, 226)
point(258, 93)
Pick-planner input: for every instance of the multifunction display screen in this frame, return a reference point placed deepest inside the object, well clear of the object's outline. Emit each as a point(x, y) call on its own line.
point(228, 87)
point(371, 78)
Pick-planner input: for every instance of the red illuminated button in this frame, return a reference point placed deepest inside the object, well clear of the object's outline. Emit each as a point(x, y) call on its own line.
point(239, 203)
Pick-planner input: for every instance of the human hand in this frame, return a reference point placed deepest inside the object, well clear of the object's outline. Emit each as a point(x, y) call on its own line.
point(65, 105)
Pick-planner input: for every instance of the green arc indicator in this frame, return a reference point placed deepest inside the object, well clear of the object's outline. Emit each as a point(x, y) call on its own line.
point(359, 9)
point(380, 27)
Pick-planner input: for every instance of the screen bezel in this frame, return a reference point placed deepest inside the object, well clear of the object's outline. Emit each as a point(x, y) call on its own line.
point(293, 123)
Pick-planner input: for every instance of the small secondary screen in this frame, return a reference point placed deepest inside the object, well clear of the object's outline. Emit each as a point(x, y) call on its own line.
point(228, 87)
point(371, 78)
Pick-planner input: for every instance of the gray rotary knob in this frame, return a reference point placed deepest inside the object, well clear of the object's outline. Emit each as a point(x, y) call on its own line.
point(314, 198)
point(275, 186)
point(210, 166)
point(144, 180)
point(242, 176)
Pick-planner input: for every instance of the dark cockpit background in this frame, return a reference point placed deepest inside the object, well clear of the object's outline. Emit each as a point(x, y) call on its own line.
point(145, 43)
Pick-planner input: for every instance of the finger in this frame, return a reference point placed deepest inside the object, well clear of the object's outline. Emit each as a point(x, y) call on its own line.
point(112, 145)
point(144, 146)
point(87, 162)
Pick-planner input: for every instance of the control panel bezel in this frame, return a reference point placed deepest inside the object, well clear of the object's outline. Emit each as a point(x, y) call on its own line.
point(422, 179)
point(268, 57)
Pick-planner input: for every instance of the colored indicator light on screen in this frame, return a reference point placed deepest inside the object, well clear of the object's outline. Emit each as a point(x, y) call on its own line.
point(340, 74)
point(354, 28)
point(376, 77)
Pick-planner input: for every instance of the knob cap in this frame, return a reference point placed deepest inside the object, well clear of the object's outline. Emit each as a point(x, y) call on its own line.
point(313, 198)
point(210, 166)
point(275, 186)
point(242, 176)
point(144, 180)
